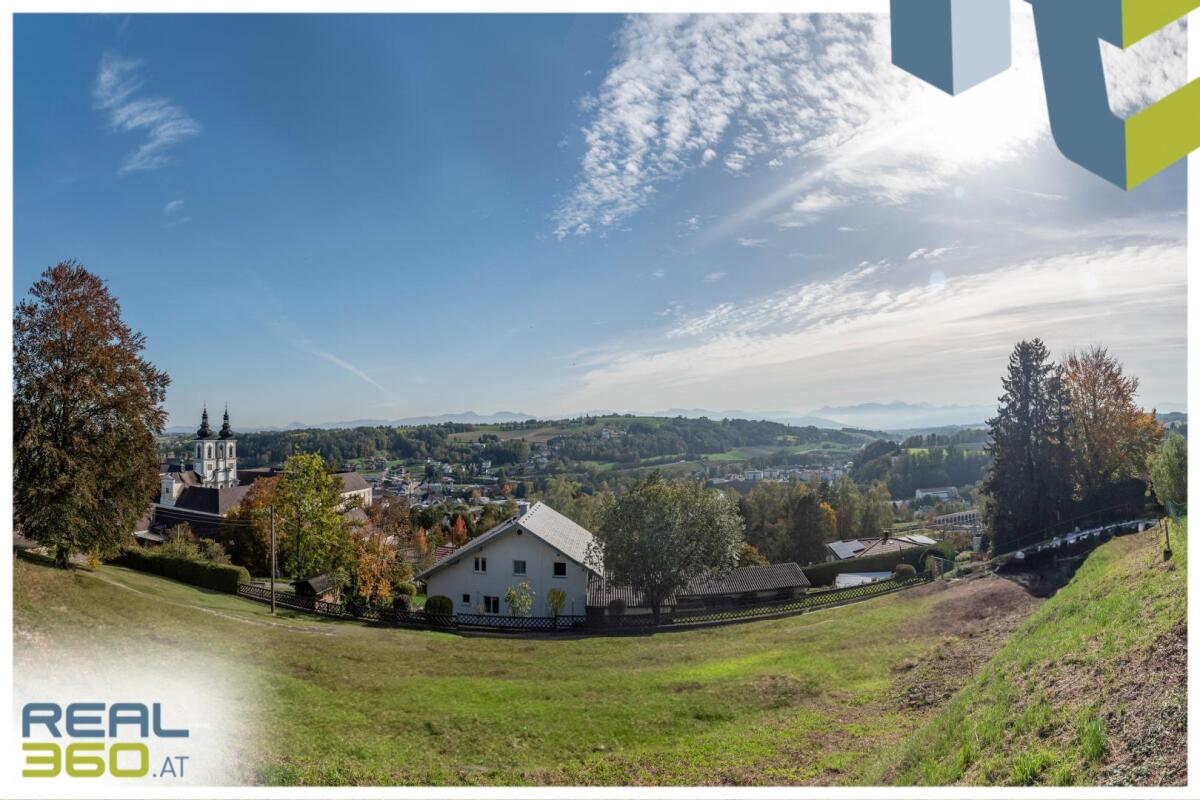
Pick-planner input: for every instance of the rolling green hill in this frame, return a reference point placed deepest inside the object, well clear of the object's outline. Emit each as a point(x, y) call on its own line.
point(972, 682)
point(1092, 689)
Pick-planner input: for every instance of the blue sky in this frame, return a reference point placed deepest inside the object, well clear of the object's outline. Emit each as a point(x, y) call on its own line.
point(322, 218)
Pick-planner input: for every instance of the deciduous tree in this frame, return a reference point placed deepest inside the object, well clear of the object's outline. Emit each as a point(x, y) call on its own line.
point(86, 409)
point(660, 535)
point(458, 531)
point(1168, 470)
point(312, 535)
point(1111, 436)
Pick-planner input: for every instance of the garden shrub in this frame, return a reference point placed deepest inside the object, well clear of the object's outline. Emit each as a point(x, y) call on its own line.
point(825, 573)
point(405, 588)
point(904, 572)
point(439, 606)
point(221, 577)
point(401, 602)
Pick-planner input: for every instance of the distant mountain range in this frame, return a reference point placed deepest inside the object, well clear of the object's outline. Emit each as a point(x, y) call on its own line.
point(895, 417)
point(469, 417)
point(904, 416)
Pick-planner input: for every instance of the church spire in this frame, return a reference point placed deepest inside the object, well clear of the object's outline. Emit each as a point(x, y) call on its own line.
point(204, 432)
point(226, 431)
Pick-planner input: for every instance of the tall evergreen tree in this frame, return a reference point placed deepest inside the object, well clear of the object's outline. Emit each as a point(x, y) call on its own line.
point(1029, 485)
point(86, 409)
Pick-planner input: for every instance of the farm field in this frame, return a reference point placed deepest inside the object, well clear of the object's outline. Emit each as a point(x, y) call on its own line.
point(842, 696)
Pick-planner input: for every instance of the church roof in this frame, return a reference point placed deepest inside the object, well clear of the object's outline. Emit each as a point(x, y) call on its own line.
point(210, 500)
point(353, 482)
point(226, 431)
point(204, 432)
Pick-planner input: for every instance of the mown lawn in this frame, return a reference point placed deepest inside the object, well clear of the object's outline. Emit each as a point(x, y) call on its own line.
point(1092, 689)
point(785, 701)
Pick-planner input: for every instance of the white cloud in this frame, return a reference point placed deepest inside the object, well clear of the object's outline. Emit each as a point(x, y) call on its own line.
point(164, 124)
point(713, 277)
point(839, 336)
point(745, 242)
point(172, 206)
point(346, 365)
point(658, 273)
point(687, 91)
point(1146, 72)
point(809, 209)
point(929, 253)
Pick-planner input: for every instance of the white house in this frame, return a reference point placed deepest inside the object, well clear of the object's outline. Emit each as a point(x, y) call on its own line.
point(541, 547)
point(937, 492)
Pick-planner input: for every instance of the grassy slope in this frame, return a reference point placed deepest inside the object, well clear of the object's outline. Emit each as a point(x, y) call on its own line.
point(792, 700)
point(1048, 706)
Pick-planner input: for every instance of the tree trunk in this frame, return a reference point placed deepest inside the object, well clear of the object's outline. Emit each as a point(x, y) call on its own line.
point(62, 556)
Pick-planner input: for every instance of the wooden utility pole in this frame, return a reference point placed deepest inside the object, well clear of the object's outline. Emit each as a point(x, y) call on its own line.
point(272, 560)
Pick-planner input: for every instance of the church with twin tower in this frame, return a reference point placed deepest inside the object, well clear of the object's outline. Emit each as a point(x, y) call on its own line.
point(215, 460)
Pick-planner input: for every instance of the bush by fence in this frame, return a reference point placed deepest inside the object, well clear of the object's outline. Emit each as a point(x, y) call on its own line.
point(439, 605)
point(221, 577)
point(824, 574)
point(644, 623)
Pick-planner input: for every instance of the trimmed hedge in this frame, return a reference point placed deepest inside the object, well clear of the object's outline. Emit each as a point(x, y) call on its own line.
point(221, 577)
point(825, 573)
point(439, 605)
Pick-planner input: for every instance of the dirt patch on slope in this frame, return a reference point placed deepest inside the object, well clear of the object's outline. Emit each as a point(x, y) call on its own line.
point(1146, 715)
point(979, 615)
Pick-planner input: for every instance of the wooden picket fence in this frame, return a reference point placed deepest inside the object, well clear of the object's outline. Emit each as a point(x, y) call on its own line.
point(598, 622)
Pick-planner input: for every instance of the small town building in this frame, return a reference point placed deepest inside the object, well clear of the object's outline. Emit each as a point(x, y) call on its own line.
point(741, 586)
point(539, 546)
point(318, 587)
point(861, 548)
point(848, 579)
point(937, 493)
point(204, 491)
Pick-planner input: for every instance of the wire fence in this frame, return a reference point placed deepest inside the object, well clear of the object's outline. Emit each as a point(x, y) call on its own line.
point(596, 621)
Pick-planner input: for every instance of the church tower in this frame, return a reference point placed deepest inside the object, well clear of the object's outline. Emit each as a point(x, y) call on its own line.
point(215, 458)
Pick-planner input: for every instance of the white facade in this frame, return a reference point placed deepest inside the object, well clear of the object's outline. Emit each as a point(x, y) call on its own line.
point(540, 547)
point(471, 579)
point(215, 461)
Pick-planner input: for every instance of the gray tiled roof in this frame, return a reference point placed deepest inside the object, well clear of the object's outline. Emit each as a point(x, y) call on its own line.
point(352, 481)
point(561, 533)
point(749, 579)
point(742, 580)
point(211, 500)
point(542, 521)
point(846, 549)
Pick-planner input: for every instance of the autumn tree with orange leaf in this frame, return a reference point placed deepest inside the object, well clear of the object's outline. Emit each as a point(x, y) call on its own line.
point(86, 409)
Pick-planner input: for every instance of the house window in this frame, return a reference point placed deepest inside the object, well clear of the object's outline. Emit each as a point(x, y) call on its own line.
point(560, 569)
point(491, 605)
point(466, 599)
point(480, 564)
point(518, 568)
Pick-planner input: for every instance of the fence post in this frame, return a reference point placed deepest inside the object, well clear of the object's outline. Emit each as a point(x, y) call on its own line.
point(272, 512)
